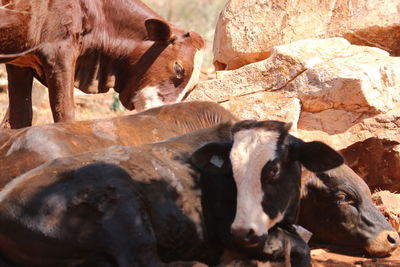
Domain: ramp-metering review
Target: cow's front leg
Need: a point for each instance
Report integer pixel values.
(20, 96)
(59, 66)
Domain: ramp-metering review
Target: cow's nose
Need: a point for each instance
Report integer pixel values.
(384, 243)
(246, 237)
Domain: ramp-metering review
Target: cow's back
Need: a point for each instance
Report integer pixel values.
(27, 148)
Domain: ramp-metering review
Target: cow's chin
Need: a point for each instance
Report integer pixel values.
(145, 98)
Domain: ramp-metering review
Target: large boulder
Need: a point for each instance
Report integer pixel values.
(248, 29)
(345, 95)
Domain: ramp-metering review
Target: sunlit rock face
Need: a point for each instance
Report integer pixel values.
(248, 29)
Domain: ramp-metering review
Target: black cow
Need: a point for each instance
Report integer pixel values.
(336, 207)
(58, 217)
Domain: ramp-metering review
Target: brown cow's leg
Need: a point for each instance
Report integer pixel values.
(20, 96)
(59, 65)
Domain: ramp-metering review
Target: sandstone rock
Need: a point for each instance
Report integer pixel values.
(377, 161)
(266, 106)
(389, 204)
(3, 79)
(248, 29)
(342, 129)
(338, 85)
(345, 95)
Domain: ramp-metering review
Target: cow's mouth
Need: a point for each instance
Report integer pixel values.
(251, 245)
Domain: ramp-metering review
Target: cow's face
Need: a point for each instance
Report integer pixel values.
(163, 68)
(336, 206)
(266, 170)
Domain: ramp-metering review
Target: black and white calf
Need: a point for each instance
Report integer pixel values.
(65, 215)
(262, 169)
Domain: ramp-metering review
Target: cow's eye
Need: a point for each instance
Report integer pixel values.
(270, 171)
(179, 71)
(274, 171)
(343, 198)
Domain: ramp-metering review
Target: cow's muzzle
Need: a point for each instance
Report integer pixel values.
(246, 237)
(385, 242)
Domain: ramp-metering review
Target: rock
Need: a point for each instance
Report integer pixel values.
(345, 95)
(265, 106)
(3, 79)
(377, 161)
(389, 204)
(342, 129)
(247, 29)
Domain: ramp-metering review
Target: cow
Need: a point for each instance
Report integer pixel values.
(24, 149)
(336, 206)
(160, 217)
(94, 45)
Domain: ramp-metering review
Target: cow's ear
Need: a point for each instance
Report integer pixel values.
(158, 30)
(315, 156)
(213, 158)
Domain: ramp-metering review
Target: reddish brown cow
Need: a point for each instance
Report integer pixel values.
(27, 148)
(98, 44)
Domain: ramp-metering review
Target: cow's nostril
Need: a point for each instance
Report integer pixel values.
(250, 234)
(391, 239)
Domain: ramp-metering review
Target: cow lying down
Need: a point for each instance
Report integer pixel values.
(64, 214)
(24, 149)
(353, 219)
(336, 206)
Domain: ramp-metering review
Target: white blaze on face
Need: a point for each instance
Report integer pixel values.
(148, 97)
(251, 150)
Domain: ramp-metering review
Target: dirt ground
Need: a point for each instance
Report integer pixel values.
(323, 257)
(102, 105)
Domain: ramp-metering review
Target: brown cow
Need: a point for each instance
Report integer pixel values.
(27, 148)
(98, 44)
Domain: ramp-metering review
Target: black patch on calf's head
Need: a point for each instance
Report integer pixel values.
(315, 156)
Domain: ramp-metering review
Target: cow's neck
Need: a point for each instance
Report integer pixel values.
(117, 26)
(115, 29)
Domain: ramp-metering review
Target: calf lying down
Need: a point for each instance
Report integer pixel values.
(356, 222)
(155, 207)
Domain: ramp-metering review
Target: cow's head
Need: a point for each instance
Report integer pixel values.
(163, 68)
(266, 170)
(336, 207)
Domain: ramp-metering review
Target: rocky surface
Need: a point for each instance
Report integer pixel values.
(248, 29)
(389, 204)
